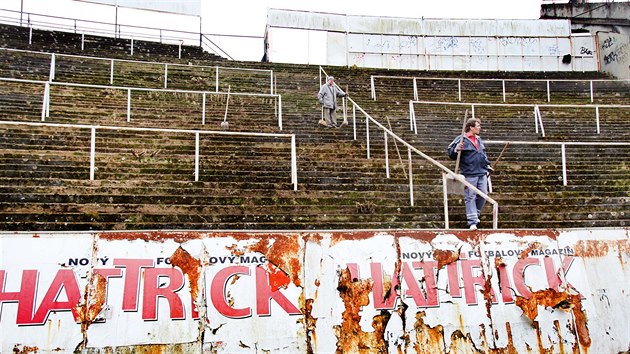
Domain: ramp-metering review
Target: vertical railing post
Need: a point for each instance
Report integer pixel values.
(82, 41)
(45, 100)
(92, 152)
(445, 198)
(344, 109)
(503, 85)
(367, 135)
(128, 105)
(294, 163)
(354, 120)
(271, 82)
(415, 89)
(111, 72)
(216, 78)
(203, 109)
(410, 177)
(386, 156)
(597, 117)
(197, 157)
(165, 75)
(536, 119)
(495, 216)
(564, 165)
(51, 76)
(459, 89)
(131, 49)
(280, 112)
(472, 110)
(412, 118)
(591, 91)
(548, 92)
(372, 88)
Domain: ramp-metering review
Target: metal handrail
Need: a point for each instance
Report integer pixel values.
(445, 170)
(47, 84)
(538, 122)
(93, 129)
(562, 146)
(503, 81)
(166, 65)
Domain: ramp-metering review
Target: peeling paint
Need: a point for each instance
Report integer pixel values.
(350, 337)
(190, 266)
(445, 257)
(429, 340)
(550, 298)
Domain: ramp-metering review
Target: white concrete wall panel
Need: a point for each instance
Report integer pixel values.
(425, 44)
(615, 54)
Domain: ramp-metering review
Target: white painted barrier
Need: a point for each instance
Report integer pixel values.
(536, 291)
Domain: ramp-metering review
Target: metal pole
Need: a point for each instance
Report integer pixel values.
(216, 79)
(111, 72)
(271, 83)
(459, 89)
(45, 100)
(597, 117)
(415, 89)
(294, 163)
(548, 92)
(92, 152)
(410, 177)
(372, 89)
(445, 197)
(564, 165)
(591, 91)
(280, 112)
(197, 157)
(128, 105)
(503, 84)
(354, 120)
(165, 75)
(51, 76)
(203, 109)
(367, 135)
(386, 156)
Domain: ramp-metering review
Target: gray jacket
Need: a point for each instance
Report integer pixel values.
(328, 94)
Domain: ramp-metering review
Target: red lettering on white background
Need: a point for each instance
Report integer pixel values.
(504, 284)
(453, 280)
(132, 280)
(518, 274)
(64, 280)
(264, 294)
(552, 272)
(218, 289)
(25, 297)
(152, 292)
(414, 291)
(381, 300)
(470, 281)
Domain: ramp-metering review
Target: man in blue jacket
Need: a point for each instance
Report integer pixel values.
(474, 165)
(327, 97)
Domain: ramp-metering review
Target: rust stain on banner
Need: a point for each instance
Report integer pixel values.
(592, 248)
(19, 349)
(429, 340)
(283, 254)
(93, 301)
(190, 266)
(310, 323)
(350, 337)
(532, 246)
(557, 300)
(445, 257)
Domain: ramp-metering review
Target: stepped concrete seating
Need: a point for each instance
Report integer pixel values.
(75, 43)
(47, 188)
(530, 88)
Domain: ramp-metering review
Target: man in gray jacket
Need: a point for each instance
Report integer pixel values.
(327, 97)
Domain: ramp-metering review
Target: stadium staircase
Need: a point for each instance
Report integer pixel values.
(145, 179)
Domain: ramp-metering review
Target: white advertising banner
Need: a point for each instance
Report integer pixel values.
(535, 291)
